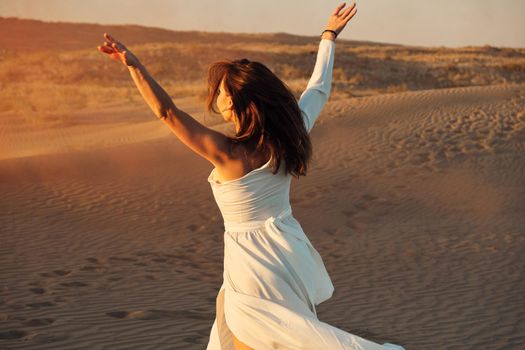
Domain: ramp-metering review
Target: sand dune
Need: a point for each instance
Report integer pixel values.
(51, 71)
(107, 126)
(111, 238)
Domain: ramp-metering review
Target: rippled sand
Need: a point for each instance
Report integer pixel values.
(111, 238)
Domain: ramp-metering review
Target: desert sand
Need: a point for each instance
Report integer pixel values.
(414, 200)
(111, 238)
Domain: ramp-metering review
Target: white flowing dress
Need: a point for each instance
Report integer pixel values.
(273, 277)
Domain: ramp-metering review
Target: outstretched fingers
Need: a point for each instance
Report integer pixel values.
(113, 43)
(109, 37)
(106, 49)
(341, 16)
(348, 14)
(348, 10)
(338, 8)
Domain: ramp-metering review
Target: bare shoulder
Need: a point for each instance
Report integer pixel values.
(239, 163)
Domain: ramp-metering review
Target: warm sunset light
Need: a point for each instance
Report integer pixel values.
(300, 175)
(409, 22)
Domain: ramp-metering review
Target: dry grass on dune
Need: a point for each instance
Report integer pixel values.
(61, 78)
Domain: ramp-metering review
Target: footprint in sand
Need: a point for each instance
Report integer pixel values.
(143, 253)
(209, 218)
(117, 314)
(330, 231)
(46, 338)
(92, 268)
(194, 340)
(55, 273)
(192, 227)
(367, 204)
(349, 213)
(62, 272)
(38, 290)
(369, 197)
(158, 314)
(45, 274)
(152, 277)
(114, 279)
(14, 334)
(40, 305)
(74, 284)
(355, 225)
(123, 259)
(38, 322)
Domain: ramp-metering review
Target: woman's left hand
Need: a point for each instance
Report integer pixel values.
(340, 17)
(117, 51)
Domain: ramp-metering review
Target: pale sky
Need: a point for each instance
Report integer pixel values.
(450, 23)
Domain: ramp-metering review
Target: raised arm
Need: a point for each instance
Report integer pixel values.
(317, 91)
(206, 142)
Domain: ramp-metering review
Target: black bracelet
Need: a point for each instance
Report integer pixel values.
(331, 31)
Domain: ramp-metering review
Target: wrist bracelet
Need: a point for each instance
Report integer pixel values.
(331, 31)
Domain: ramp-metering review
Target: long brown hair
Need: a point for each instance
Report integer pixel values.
(267, 112)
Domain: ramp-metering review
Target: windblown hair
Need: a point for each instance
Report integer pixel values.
(267, 112)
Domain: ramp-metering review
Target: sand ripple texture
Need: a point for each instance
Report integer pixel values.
(415, 201)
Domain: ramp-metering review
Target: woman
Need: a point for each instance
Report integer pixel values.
(273, 276)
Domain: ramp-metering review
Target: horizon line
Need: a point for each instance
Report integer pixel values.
(254, 33)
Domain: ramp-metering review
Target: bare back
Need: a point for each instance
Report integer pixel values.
(240, 164)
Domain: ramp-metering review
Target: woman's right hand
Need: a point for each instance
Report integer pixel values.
(340, 17)
(117, 51)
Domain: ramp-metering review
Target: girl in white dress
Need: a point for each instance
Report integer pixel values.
(273, 276)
